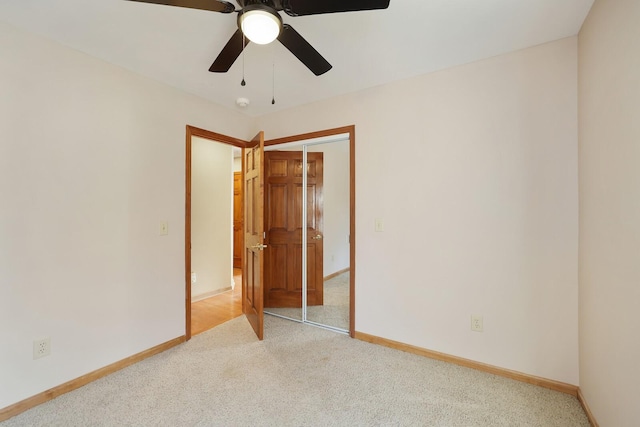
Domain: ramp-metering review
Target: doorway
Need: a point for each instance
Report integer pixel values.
(213, 287)
(345, 277)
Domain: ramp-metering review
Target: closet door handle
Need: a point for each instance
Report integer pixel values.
(317, 237)
(259, 246)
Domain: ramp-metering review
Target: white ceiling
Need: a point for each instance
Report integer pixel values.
(177, 45)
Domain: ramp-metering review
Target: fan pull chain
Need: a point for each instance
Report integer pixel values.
(273, 83)
(243, 83)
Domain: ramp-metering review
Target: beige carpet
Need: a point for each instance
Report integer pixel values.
(300, 376)
(335, 310)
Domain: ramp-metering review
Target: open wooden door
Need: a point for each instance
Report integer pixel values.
(253, 262)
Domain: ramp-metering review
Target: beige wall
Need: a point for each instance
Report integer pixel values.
(211, 217)
(472, 169)
(609, 104)
(474, 172)
(92, 159)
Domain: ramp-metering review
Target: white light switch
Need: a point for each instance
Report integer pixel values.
(379, 225)
(164, 228)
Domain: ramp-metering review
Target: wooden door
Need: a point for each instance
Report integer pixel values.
(238, 229)
(283, 224)
(252, 291)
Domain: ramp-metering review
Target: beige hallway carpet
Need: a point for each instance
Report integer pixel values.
(300, 376)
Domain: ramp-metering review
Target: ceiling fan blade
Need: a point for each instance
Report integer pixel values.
(315, 7)
(229, 53)
(212, 5)
(303, 50)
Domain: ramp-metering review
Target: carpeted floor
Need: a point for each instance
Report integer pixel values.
(335, 310)
(300, 376)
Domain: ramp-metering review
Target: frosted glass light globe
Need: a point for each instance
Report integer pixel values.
(260, 26)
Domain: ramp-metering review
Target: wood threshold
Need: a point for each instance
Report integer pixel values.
(507, 373)
(45, 396)
(587, 410)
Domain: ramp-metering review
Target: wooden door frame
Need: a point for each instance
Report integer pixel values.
(214, 137)
(351, 131)
(225, 139)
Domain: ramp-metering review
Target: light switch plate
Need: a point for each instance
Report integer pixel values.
(164, 228)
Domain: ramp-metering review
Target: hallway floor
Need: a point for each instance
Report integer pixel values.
(218, 309)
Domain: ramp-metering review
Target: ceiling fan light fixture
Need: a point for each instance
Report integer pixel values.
(261, 24)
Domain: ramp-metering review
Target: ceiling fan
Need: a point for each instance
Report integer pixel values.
(259, 21)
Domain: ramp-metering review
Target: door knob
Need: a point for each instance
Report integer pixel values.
(259, 246)
(317, 237)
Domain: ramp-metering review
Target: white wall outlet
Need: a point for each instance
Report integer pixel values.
(476, 323)
(164, 228)
(379, 225)
(193, 277)
(41, 348)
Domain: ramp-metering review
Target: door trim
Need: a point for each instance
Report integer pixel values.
(215, 137)
(351, 131)
(236, 142)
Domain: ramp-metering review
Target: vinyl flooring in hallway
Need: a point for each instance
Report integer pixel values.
(218, 309)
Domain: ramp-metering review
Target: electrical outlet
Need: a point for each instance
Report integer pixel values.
(378, 225)
(476, 323)
(41, 348)
(194, 278)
